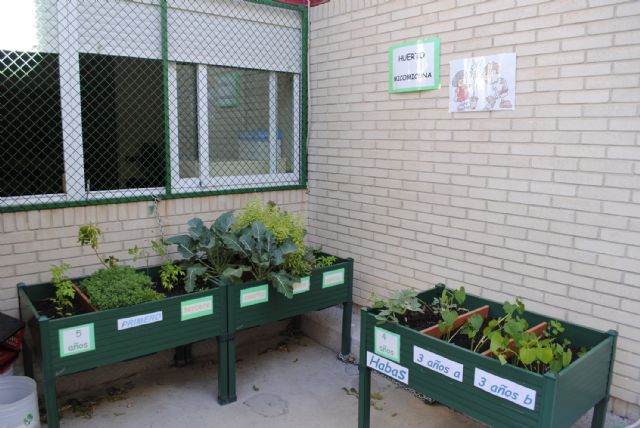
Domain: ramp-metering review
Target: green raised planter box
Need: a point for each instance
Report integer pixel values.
(82, 342)
(479, 386)
(257, 303)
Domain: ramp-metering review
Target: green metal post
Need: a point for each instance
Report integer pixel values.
(600, 409)
(364, 397)
(347, 307)
(164, 37)
(223, 369)
(232, 369)
(49, 377)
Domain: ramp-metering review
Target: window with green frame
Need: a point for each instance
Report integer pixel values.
(109, 102)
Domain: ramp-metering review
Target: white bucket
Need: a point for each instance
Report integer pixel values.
(18, 402)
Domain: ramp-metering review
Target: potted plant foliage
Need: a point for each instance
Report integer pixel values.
(268, 272)
(115, 314)
(510, 367)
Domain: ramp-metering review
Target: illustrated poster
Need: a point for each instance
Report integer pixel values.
(483, 83)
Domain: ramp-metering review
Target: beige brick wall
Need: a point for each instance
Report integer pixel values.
(31, 241)
(542, 202)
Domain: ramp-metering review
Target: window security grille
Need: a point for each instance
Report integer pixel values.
(110, 99)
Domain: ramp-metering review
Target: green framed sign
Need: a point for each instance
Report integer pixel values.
(414, 66)
(76, 340)
(254, 295)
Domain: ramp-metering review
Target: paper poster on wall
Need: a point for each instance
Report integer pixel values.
(414, 66)
(483, 83)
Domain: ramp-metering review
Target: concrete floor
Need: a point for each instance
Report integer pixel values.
(300, 384)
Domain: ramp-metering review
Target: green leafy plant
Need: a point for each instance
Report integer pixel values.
(472, 327)
(205, 249)
(65, 293)
(395, 309)
(324, 261)
(262, 256)
(119, 286)
(494, 332)
(448, 306)
(284, 226)
(89, 234)
(170, 273)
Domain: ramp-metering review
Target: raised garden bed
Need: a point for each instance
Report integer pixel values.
(256, 303)
(481, 387)
(81, 342)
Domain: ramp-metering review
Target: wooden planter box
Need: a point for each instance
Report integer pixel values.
(257, 303)
(82, 342)
(479, 386)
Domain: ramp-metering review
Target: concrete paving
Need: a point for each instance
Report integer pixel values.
(296, 384)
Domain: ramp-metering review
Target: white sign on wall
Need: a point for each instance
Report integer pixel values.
(483, 83)
(414, 66)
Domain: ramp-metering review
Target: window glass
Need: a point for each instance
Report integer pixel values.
(238, 113)
(289, 135)
(187, 121)
(31, 151)
(122, 122)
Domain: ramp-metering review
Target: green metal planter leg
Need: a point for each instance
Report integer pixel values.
(27, 358)
(49, 378)
(346, 328)
(600, 409)
(364, 397)
(599, 414)
(223, 370)
(232, 369)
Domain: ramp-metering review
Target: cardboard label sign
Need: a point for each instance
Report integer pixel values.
(196, 308)
(254, 295)
(138, 320)
(389, 368)
(76, 340)
(438, 363)
(387, 344)
(302, 286)
(333, 278)
(503, 388)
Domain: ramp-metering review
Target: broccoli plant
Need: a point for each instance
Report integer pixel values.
(204, 249)
(395, 309)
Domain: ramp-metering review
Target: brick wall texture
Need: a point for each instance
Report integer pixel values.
(542, 202)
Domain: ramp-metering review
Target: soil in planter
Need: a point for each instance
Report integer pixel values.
(421, 320)
(48, 308)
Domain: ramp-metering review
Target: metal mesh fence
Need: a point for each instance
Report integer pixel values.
(110, 99)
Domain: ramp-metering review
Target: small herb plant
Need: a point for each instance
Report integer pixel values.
(284, 226)
(119, 286)
(170, 273)
(325, 261)
(89, 234)
(395, 309)
(65, 293)
(448, 306)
